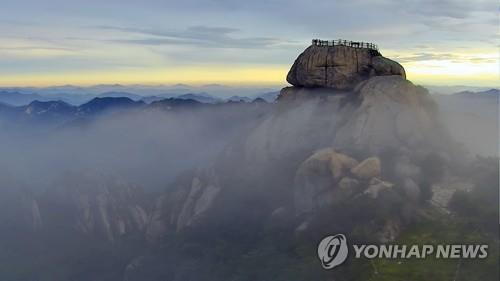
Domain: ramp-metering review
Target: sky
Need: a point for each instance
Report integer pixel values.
(85, 42)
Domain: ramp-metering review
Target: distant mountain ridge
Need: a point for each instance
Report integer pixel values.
(49, 107)
(98, 105)
(17, 99)
(131, 96)
(239, 99)
(449, 90)
(77, 95)
(59, 112)
(201, 97)
(489, 94)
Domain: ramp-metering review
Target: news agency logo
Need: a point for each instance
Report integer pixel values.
(333, 251)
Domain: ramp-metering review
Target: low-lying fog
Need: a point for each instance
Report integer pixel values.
(149, 147)
(145, 147)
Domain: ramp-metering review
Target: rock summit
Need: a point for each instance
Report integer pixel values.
(340, 65)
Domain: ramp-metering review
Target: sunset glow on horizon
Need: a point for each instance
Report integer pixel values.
(426, 73)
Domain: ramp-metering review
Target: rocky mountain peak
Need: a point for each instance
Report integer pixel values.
(340, 65)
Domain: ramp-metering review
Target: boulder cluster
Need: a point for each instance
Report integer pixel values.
(328, 177)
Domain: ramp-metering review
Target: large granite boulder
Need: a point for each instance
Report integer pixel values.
(323, 179)
(367, 169)
(340, 67)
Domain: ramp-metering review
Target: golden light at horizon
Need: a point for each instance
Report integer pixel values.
(438, 72)
(193, 75)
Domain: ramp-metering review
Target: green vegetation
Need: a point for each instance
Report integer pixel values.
(473, 220)
(441, 231)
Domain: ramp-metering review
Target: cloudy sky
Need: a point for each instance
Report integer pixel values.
(53, 42)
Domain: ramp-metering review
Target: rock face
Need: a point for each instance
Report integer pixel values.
(385, 111)
(328, 177)
(377, 186)
(370, 113)
(22, 206)
(183, 206)
(340, 67)
(367, 169)
(317, 175)
(96, 205)
(198, 201)
(392, 112)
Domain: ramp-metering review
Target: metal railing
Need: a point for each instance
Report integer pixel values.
(339, 42)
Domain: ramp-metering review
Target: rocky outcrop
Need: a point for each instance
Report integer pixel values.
(201, 197)
(19, 208)
(316, 177)
(36, 217)
(340, 163)
(367, 169)
(328, 177)
(348, 184)
(383, 118)
(383, 112)
(340, 67)
(301, 123)
(377, 186)
(97, 205)
(104, 214)
(186, 204)
(392, 113)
